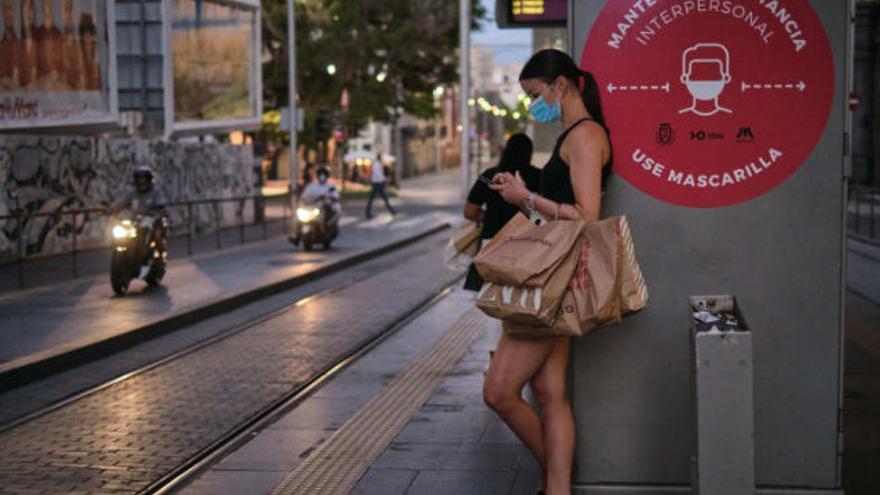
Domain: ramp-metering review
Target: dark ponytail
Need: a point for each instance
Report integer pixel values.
(547, 65)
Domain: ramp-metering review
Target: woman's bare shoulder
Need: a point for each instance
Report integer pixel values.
(588, 135)
(589, 132)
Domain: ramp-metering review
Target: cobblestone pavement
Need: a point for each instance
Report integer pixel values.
(126, 436)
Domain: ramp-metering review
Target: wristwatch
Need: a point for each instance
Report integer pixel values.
(530, 202)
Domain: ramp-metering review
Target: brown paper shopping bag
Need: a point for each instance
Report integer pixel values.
(529, 305)
(592, 298)
(465, 238)
(633, 288)
(462, 246)
(525, 254)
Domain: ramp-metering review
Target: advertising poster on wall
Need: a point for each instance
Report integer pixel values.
(55, 63)
(214, 62)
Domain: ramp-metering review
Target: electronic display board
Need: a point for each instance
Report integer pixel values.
(531, 13)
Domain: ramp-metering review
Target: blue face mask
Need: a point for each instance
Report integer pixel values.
(544, 112)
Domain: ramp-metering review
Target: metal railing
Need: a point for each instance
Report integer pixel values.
(863, 213)
(186, 213)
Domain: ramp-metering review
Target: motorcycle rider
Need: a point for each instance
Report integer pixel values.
(323, 191)
(148, 202)
(144, 198)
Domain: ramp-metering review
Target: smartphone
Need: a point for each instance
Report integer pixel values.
(484, 180)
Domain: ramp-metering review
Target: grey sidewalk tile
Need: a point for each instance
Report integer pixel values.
(280, 451)
(527, 462)
(462, 483)
(526, 483)
(384, 482)
(444, 427)
(319, 413)
(236, 483)
(404, 456)
(509, 448)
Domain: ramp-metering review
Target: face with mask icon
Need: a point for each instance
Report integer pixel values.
(705, 73)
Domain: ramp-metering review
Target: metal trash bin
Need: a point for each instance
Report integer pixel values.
(721, 365)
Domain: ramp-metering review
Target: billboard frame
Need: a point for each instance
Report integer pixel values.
(185, 128)
(107, 121)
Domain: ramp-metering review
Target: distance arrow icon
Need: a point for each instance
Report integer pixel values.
(638, 87)
(800, 86)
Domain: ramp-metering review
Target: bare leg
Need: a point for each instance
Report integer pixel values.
(549, 388)
(514, 363)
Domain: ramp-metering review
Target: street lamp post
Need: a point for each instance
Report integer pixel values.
(439, 97)
(464, 70)
(291, 82)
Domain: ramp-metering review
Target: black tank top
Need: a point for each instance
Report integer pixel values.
(556, 177)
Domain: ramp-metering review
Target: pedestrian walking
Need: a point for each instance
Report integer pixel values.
(516, 158)
(378, 180)
(571, 188)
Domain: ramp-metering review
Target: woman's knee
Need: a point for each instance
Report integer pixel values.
(498, 397)
(549, 396)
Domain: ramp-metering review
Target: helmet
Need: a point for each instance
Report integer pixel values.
(143, 178)
(323, 173)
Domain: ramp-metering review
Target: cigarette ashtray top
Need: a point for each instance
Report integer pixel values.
(716, 314)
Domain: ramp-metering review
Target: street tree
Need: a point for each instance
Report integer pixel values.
(387, 55)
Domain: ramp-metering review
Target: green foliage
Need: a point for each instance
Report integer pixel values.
(414, 43)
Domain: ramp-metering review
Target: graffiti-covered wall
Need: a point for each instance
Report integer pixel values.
(55, 174)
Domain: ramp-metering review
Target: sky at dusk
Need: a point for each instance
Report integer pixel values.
(510, 45)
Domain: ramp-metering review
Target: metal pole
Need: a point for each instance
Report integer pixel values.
(263, 217)
(857, 195)
(291, 82)
(19, 227)
(873, 200)
(189, 229)
(464, 7)
(73, 254)
(438, 156)
(217, 222)
(286, 212)
(241, 221)
(481, 125)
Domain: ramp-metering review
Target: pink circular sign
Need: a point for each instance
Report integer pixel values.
(711, 102)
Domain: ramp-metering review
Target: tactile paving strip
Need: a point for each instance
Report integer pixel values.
(336, 466)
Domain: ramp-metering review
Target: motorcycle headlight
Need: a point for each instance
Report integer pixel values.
(124, 230)
(307, 214)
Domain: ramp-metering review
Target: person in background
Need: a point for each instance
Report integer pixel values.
(378, 180)
(321, 190)
(144, 198)
(516, 158)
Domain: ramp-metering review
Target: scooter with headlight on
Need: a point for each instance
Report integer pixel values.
(316, 223)
(138, 251)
